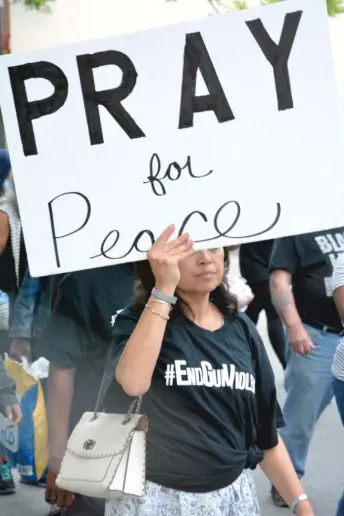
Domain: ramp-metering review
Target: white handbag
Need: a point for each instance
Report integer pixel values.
(106, 454)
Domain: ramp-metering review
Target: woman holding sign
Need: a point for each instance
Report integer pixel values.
(208, 390)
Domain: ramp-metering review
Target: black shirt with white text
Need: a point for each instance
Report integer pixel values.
(212, 400)
(309, 259)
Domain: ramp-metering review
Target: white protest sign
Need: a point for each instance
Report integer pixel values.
(228, 127)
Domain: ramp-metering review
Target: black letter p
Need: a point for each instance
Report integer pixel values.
(28, 111)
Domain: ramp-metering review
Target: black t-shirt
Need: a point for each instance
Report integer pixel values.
(254, 260)
(212, 400)
(310, 258)
(79, 331)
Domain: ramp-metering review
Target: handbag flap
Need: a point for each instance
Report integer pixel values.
(104, 436)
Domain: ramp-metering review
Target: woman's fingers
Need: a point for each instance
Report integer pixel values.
(64, 499)
(186, 254)
(165, 235)
(182, 247)
(18, 415)
(9, 415)
(178, 246)
(177, 242)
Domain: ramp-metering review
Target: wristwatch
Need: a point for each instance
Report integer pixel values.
(301, 498)
(170, 300)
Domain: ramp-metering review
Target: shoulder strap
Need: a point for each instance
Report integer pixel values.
(108, 376)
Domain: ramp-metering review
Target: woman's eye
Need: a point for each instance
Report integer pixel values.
(216, 250)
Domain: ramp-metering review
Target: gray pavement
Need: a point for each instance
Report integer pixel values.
(324, 480)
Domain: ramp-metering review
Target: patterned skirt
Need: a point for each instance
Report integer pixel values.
(238, 499)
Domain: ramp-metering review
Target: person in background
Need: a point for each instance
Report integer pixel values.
(10, 266)
(338, 362)
(305, 263)
(10, 408)
(254, 261)
(4, 323)
(29, 316)
(76, 342)
(13, 259)
(5, 167)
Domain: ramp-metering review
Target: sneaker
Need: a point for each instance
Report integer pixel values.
(7, 485)
(277, 498)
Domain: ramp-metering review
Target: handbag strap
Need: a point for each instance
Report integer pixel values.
(135, 405)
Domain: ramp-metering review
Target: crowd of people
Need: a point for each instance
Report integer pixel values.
(154, 323)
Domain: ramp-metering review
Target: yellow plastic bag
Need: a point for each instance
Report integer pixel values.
(32, 456)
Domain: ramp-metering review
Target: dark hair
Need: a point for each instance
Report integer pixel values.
(221, 297)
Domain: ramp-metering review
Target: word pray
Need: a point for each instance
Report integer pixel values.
(196, 59)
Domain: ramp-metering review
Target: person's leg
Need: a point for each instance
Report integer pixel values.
(340, 509)
(338, 389)
(256, 306)
(86, 506)
(7, 485)
(308, 384)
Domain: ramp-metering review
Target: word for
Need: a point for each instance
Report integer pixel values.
(173, 173)
(206, 376)
(221, 225)
(196, 59)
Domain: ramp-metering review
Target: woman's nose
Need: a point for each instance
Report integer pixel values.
(204, 256)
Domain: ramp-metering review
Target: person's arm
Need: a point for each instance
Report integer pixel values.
(276, 463)
(338, 286)
(59, 406)
(4, 231)
(137, 361)
(279, 469)
(62, 346)
(23, 315)
(24, 307)
(283, 264)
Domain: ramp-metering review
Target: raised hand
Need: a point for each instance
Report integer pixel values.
(164, 257)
